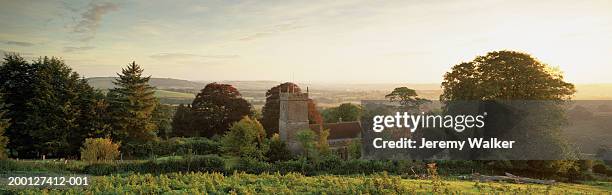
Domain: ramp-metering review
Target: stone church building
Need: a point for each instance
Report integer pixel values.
(293, 117)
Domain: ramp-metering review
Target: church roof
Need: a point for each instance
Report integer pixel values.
(341, 130)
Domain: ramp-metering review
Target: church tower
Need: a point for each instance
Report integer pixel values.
(293, 117)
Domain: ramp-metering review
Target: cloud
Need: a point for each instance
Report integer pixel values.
(183, 56)
(272, 30)
(18, 43)
(77, 49)
(91, 18)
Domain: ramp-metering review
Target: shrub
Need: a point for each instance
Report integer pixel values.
(330, 164)
(253, 166)
(246, 138)
(278, 150)
(354, 150)
(307, 139)
(599, 168)
(323, 144)
(99, 149)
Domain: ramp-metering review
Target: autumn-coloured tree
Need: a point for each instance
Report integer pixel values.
(271, 109)
(216, 107)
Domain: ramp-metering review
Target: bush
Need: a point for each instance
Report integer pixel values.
(99, 149)
(253, 166)
(278, 150)
(600, 168)
(245, 139)
(308, 140)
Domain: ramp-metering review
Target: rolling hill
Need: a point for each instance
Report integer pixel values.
(160, 83)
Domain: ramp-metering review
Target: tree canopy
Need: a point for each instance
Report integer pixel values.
(499, 76)
(50, 106)
(505, 75)
(407, 97)
(216, 108)
(344, 112)
(182, 122)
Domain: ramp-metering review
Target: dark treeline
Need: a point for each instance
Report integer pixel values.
(51, 109)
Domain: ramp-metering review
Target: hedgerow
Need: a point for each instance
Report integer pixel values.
(172, 147)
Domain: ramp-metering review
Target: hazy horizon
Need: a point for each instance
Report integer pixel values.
(347, 42)
(317, 82)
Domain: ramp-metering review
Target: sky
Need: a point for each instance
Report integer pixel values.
(360, 41)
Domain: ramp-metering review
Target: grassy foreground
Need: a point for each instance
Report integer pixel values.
(241, 183)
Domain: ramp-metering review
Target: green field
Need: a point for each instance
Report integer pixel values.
(172, 97)
(241, 183)
(172, 94)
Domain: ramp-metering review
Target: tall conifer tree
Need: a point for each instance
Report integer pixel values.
(132, 104)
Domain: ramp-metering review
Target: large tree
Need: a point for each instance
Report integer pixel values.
(407, 97)
(494, 79)
(162, 117)
(182, 122)
(505, 75)
(49, 106)
(132, 104)
(216, 107)
(59, 101)
(271, 109)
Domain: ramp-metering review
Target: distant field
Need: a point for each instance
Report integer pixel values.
(172, 97)
(172, 94)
